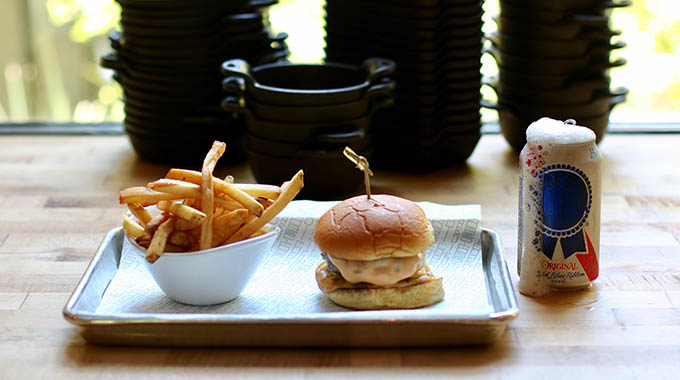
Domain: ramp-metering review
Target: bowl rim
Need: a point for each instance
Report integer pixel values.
(272, 233)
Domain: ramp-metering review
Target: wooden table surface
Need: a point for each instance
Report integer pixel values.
(59, 196)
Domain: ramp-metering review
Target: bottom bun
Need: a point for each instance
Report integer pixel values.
(406, 297)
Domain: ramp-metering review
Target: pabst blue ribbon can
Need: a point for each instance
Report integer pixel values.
(559, 208)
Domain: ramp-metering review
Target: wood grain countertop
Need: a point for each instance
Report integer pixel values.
(59, 196)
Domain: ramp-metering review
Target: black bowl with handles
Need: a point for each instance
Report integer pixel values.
(376, 97)
(173, 51)
(412, 65)
(513, 127)
(178, 96)
(328, 174)
(430, 77)
(183, 149)
(336, 17)
(358, 140)
(379, 9)
(464, 47)
(189, 73)
(184, 6)
(543, 48)
(599, 105)
(578, 93)
(195, 16)
(442, 151)
(425, 132)
(551, 81)
(161, 77)
(160, 118)
(576, 28)
(251, 45)
(296, 132)
(372, 32)
(567, 5)
(441, 99)
(595, 60)
(160, 89)
(428, 122)
(305, 84)
(516, 10)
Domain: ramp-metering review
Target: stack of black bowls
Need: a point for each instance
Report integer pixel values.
(167, 59)
(553, 59)
(302, 116)
(437, 47)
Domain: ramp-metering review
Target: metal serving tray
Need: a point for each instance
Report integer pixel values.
(340, 328)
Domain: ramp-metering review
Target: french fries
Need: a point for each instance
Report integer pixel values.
(132, 228)
(200, 211)
(207, 194)
(288, 191)
(252, 189)
(159, 240)
(143, 216)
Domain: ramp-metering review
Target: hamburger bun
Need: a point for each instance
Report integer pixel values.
(372, 241)
(366, 229)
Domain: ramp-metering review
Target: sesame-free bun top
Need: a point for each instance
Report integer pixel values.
(366, 229)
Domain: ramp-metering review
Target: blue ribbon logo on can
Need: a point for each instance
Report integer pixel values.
(567, 198)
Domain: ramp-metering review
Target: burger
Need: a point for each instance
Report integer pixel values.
(374, 254)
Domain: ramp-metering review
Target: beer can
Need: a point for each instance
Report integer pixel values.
(559, 208)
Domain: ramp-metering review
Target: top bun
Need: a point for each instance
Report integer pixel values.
(366, 229)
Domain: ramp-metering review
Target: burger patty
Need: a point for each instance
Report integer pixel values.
(331, 267)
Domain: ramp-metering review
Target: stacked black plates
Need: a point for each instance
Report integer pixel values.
(553, 59)
(437, 46)
(302, 116)
(167, 59)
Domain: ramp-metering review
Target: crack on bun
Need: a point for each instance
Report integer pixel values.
(369, 229)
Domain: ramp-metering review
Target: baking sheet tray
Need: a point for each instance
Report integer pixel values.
(282, 307)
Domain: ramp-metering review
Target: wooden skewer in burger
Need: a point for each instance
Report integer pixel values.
(373, 248)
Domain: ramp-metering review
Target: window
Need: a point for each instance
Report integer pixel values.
(50, 51)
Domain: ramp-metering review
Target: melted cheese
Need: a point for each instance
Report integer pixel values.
(329, 281)
(378, 272)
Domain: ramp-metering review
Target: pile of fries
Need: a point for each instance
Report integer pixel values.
(200, 211)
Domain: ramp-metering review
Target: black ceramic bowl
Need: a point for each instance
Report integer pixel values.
(567, 5)
(415, 121)
(411, 65)
(517, 10)
(183, 6)
(305, 85)
(359, 140)
(544, 48)
(394, 12)
(579, 93)
(425, 132)
(578, 28)
(185, 127)
(379, 98)
(296, 132)
(375, 32)
(337, 18)
(469, 46)
(172, 149)
(444, 151)
(328, 174)
(550, 81)
(174, 51)
(599, 105)
(596, 60)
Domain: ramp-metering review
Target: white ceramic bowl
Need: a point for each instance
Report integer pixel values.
(213, 275)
